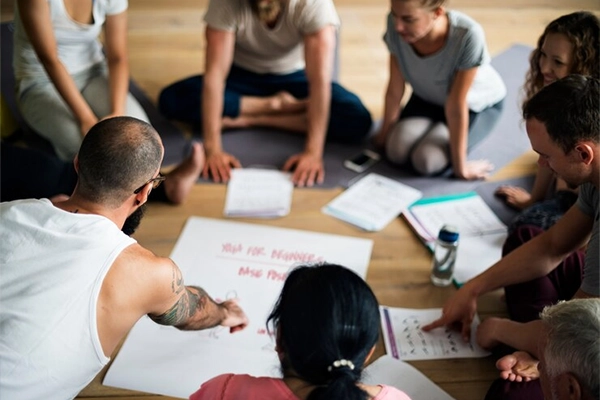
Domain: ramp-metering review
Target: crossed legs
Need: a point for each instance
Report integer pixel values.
(281, 110)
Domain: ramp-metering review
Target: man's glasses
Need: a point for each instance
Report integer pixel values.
(154, 181)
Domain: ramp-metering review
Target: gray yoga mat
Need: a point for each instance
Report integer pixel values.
(266, 147)
(505, 213)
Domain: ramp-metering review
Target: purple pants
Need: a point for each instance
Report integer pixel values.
(506, 390)
(526, 300)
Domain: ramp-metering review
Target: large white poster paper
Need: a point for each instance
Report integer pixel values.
(227, 259)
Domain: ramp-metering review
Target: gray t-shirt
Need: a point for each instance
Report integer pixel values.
(431, 76)
(279, 50)
(589, 203)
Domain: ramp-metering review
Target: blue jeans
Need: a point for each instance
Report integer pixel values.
(349, 120)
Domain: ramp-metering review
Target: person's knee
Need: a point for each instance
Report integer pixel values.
(135, 109)
(397, 149)
(350, 128)
(166, 101)
(429, 159)
(181, 100)
(66, 149)
(522, 234)
(403, 136)
(360, 124)
(349, 119)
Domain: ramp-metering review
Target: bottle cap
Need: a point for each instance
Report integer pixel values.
(448, 233)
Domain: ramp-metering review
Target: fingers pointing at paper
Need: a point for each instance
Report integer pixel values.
(460, 308)
(235, 318)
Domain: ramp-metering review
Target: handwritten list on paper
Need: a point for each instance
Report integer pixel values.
(248, 262)
(405, 340)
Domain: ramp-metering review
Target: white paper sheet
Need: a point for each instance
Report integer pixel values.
(228, 259)
(372, 202)
(259, 193)
(476, 254)
(405, 340)
(468, 212)
(387, 370)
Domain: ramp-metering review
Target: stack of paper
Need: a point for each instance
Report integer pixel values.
(258, 193)
(372, 202)
(482, 234)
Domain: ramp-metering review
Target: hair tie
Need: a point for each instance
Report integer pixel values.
(341, 363)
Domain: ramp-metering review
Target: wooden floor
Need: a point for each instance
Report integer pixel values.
(166, 43)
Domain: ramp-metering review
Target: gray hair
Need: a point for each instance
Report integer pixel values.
(574, 341)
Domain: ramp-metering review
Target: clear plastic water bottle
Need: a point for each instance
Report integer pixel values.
(444, 256)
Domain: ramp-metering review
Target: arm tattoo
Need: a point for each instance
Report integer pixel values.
(177, 281)
(190, 304)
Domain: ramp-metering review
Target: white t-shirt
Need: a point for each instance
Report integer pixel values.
(52, 266)
(279, 50)
(77, 43)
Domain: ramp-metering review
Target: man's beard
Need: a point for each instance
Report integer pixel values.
(133, 221)
(268, 10)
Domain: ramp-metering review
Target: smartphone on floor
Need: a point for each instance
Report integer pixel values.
(362, 161)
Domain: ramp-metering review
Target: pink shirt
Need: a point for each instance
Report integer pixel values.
(246, 387)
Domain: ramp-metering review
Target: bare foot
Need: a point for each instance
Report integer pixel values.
(179, 182)
(235, 123)
(284, 102)
(519, 366)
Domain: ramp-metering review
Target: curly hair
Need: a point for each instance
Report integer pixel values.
(582, 29)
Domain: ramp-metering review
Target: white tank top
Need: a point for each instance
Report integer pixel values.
(77, 44)
(52, 265)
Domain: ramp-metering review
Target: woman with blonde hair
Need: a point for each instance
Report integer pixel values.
(457, 95)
